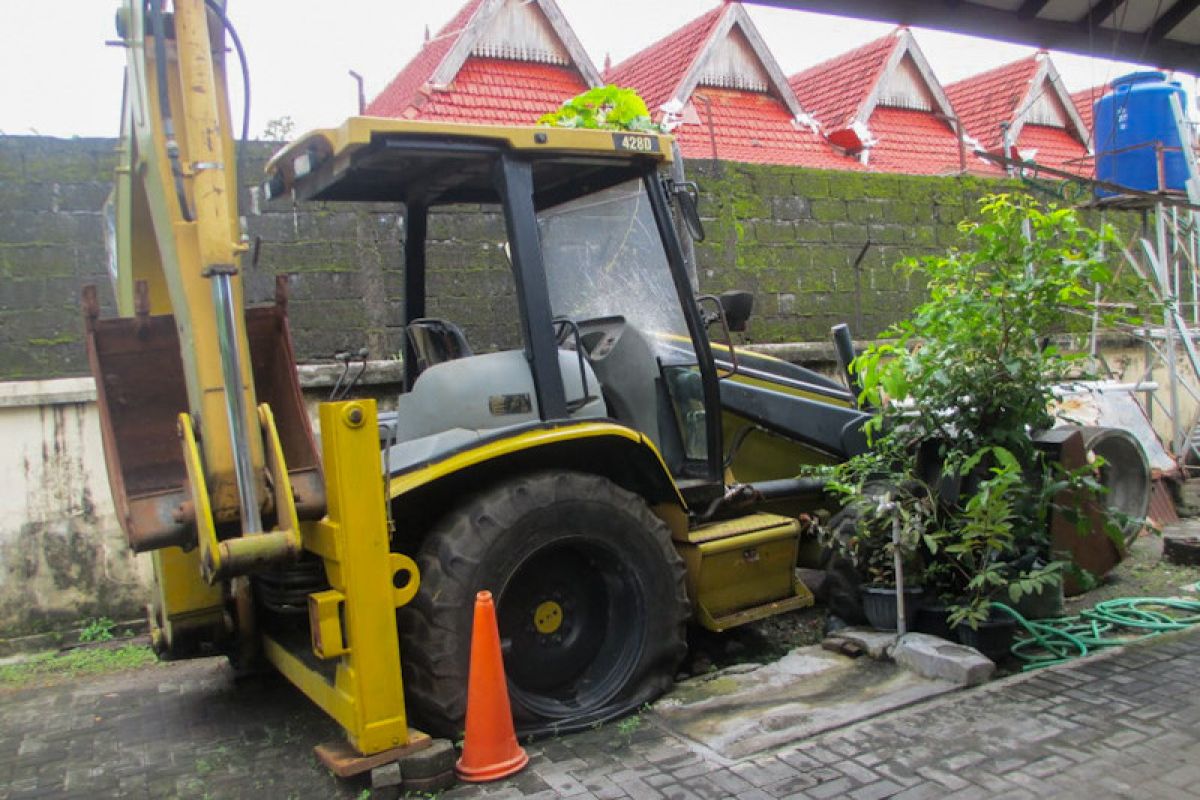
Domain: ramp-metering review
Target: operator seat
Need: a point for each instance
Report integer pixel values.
(435, 341)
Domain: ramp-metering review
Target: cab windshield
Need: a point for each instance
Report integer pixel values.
(604, 257)
(609, 276)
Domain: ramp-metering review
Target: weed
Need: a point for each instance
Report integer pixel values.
(84, 661)
(365, 794)
(627, 727)
(99, 629)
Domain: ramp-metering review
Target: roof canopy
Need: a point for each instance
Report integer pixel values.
(1164, 33)
(392, 160)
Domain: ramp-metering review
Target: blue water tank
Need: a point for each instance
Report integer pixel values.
(1131, 118)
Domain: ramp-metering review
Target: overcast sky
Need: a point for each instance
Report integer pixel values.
(61, 80)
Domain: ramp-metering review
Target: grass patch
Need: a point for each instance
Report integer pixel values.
(47, 667)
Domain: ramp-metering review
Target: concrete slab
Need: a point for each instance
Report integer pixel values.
(745, 710)
(935, 657)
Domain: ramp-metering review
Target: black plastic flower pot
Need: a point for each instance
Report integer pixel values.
(932, 619)
(879, 605)
(993, 637)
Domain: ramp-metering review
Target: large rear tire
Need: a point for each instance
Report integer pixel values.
(590, 602)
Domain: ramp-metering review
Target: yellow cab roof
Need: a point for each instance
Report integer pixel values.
(379, 159)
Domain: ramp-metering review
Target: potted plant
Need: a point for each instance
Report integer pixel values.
(958, 392)
(878, 534)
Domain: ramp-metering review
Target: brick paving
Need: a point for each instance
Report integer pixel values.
(1122, 725)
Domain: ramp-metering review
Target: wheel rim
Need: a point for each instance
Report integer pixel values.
(571, 620)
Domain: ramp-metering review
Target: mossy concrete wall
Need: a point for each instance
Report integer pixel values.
(344, 261)
(790, 235)
(796, 238)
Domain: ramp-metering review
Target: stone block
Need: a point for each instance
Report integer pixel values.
(933, 657)
(865, 210)
(20, 195)
(811, 231)
(385, 776)
(876, 644)
(829, 210)
(848, 185)
(750, 206)
(791, 207)
(811, 184)
(772, 180)
(774, 231)
(80, 197)
(847, 233)
(880, 186)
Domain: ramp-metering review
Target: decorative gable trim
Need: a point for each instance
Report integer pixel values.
(471, 36)
(1047, 75)
(777, 84)
(906, 45)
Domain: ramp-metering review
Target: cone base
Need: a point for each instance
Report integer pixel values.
(492, 772)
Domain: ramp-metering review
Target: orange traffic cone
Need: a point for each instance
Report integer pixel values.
(490, 749)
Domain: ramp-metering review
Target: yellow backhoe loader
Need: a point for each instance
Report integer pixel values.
(607, 479)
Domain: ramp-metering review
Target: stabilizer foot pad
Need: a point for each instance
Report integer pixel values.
(343, 760)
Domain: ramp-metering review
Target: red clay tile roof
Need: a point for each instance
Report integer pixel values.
(985, 100)
(749, 126)
(914, 142)
(657, 70)
(406, 86)
(1085, 102)
(834, 90)
(755, 128)
(1057, 148)
(495, 91)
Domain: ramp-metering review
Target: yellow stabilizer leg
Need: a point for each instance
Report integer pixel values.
(354, 621)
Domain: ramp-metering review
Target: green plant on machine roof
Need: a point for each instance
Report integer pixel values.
(604, 107)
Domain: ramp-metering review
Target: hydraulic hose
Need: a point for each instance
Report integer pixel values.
(217, 9)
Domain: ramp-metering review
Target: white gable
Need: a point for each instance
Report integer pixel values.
(905, 87)
(733, 64)
(520, 31)
(1047, 108)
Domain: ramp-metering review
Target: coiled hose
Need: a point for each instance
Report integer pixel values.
(1110, 623)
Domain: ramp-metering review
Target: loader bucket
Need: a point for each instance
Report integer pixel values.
(140, 391)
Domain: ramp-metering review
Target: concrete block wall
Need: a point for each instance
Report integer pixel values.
(793, 237)
(790, 235)
(51, 244)
(344, 261)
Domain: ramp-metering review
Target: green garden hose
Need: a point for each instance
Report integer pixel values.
(1109, 623)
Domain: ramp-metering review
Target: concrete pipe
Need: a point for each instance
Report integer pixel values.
(1126, 472)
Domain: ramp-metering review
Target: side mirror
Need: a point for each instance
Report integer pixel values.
(737, 305)
(687, 195)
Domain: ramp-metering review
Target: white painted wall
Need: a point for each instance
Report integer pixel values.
(62, 554)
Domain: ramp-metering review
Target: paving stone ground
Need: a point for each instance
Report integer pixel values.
(1123, 725)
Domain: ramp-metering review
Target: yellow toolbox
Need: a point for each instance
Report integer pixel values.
(743, 569)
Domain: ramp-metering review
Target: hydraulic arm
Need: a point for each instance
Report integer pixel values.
(210, 452)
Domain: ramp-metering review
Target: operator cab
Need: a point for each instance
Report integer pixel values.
(609, 327)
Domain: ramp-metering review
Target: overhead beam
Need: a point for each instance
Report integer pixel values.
(974, 19)
(1098, 13)
(1167, 22)
(1031, 8)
